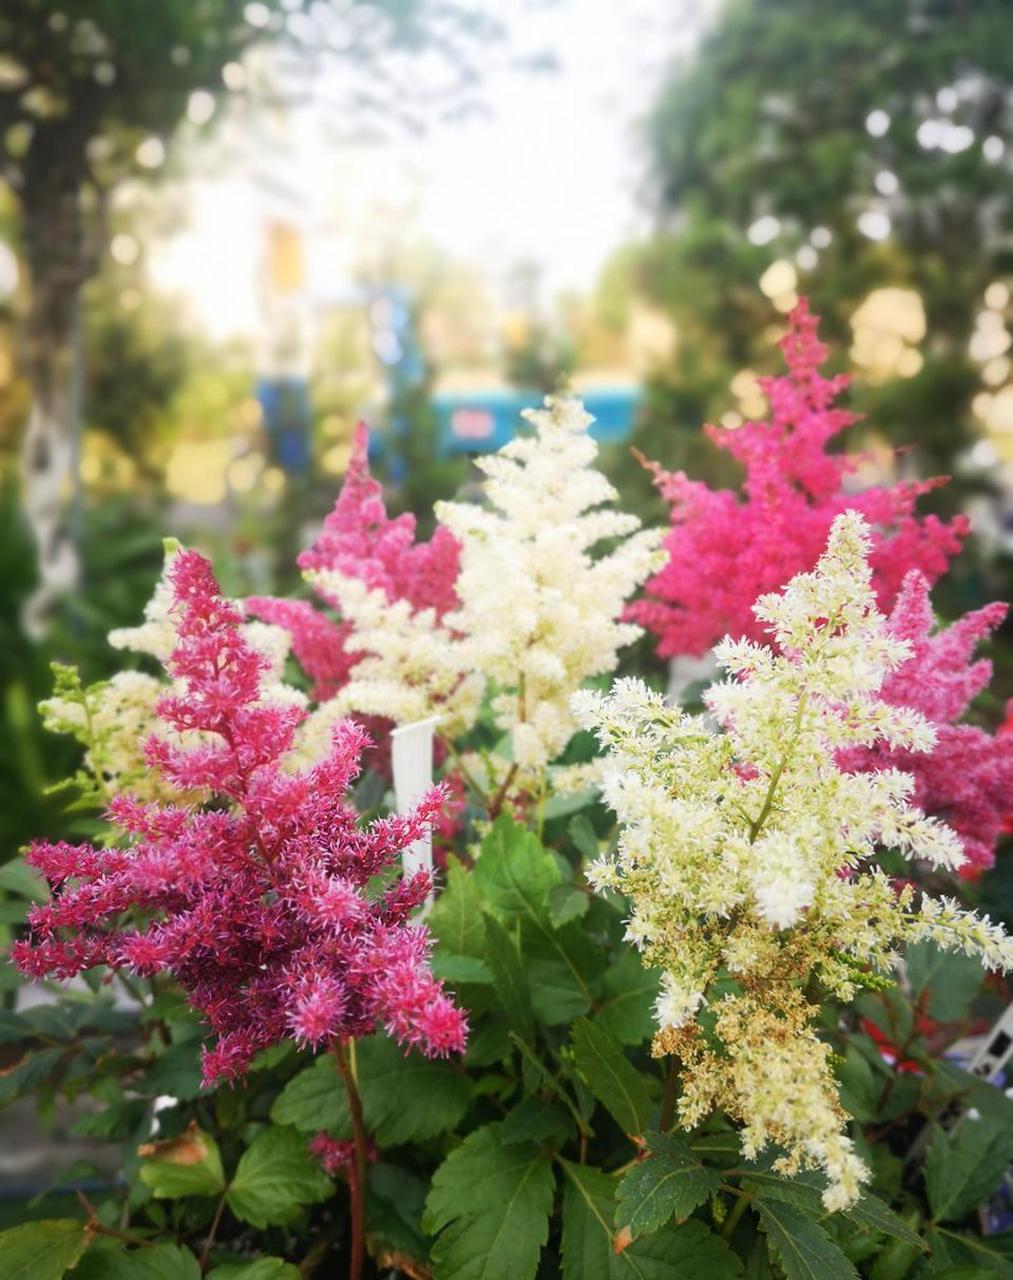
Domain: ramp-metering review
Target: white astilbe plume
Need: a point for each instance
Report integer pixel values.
(539, 611)
(746, 852)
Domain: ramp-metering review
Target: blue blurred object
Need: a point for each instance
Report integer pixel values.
(288, 419)
(484, 421)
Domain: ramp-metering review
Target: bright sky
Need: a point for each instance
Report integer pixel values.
(554, 172)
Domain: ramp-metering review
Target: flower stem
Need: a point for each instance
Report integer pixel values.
(357, 1174)
(668, 1098)
(206, 1251)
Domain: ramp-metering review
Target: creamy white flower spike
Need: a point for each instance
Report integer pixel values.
(748, 855)
(540, 607)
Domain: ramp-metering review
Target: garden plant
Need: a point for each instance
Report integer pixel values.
(686, 993)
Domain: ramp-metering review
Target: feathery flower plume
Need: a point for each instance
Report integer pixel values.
(256, 902)
(967, 777)
(725, 549)
(748, 855)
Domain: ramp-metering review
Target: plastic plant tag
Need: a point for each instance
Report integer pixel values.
(412, 761)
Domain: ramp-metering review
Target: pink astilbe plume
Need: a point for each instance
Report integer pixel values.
(257, 906)
(967, 778)
(359, 540)
(726, 549)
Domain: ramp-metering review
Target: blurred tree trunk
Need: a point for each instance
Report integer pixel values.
(61, 256)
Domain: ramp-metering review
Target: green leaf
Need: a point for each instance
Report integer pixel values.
(394, 1205)
(562, 964)
(671, 1180)
(458, 970)
(161, 1262)
(456, 918)
(176, 1072)
(276, 1177)
(189, 1165)
(804, 1192)
(261, 1269)
(581, 831)
(489, 1209)
(566, 904)
(686, 1252)
(804, 1250)
(617, 1085)
(407, 1097)
(41, 1250)
(514, 872)
(627, 1011)
(19, 878)
(952, 1082)
(509, 978)
(537, 1120)
(943, 983)
(28, 1074)
(315, 1099)
(951, 1250)
(964, 1167)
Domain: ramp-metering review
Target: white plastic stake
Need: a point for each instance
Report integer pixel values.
(412, 762)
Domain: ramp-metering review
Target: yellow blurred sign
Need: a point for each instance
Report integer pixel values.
(286, 258)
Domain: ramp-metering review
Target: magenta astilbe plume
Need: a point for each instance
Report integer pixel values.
(258, 907)
(967, 778)
(725, 548)
(360, 541)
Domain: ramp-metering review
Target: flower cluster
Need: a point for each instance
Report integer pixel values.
(748, 854)
(725, 550)
(431, 643)
(111, 717)
(255, 901)
(361, 553)
(967, 778)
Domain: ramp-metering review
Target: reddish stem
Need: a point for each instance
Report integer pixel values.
(357, 1174)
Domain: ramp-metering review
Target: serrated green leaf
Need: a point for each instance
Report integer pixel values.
(687, 1252)
(509, 978)
(537, 1120)
(407, 1097)
(943, 983)
(489, 1209)
(670, 1181)
(563, 966)
(566, 904)
(964, 1167)
(456, 917)
(613, 1080)
(804, 1250)
(276, 1178)
(261, 1269)
(41, 1250)
(394, 1205)
(630, 990)
(952, 1250)
(458, 970)
(514, 872)
(804, 1192)
(176, 1072)
(161, 1262)
(315, 1099)
(28, 1074)
(189, 1165)
(951, 1080)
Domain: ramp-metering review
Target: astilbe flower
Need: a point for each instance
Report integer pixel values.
(726, 549)
(256, 903)
(359, 541)
(748, 855)
(109, 718)
(967, 777)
